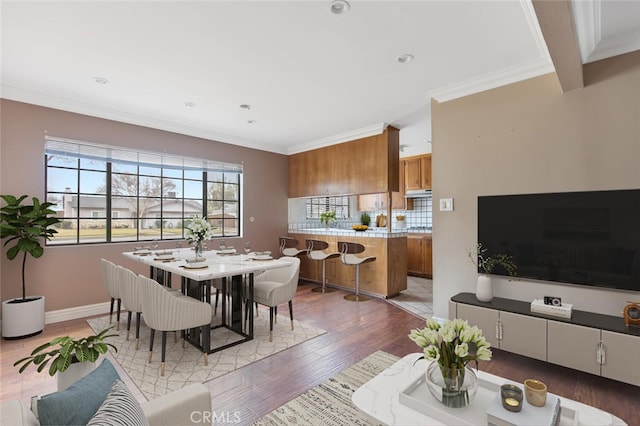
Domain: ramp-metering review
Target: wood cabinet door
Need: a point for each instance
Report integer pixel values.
(367, 202)
(428, 255)
(583, 344)
(621, 357)
(524, 335)
(415, 254)
(425, 172)
(412, 174)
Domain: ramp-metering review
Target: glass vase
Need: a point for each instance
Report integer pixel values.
(199, 248)
(454, 386)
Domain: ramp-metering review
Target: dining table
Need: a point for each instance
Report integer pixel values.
(236, 272)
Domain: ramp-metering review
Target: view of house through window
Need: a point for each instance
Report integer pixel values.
(318, 205)
(110, 194)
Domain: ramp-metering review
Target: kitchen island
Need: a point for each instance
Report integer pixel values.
(386, 277)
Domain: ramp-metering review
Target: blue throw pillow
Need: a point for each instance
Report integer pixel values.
(80, 401)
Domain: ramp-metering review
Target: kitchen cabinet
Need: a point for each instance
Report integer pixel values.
(417, 172)
(373, 202)
(362, 166)
(419, 255)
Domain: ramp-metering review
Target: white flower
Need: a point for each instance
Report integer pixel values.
(462, 350)
(431, 353)
(433, 324)
(199, 229)
(484, 354)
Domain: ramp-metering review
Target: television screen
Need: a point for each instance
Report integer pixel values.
(587, 238)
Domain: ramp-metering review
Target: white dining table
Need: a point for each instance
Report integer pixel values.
(231, 268)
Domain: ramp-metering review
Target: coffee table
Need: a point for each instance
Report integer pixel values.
(379, 400)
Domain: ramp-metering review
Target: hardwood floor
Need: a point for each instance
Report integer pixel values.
(355, 330)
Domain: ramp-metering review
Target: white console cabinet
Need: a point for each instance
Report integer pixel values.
(593, 343)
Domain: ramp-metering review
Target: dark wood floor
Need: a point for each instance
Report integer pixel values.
(355, 330)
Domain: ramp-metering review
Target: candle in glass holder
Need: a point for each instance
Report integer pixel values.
(511, 396)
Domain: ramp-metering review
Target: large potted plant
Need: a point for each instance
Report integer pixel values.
(71, 358)
(23, 226)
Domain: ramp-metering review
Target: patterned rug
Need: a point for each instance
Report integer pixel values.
(186, 366)
(330, 402)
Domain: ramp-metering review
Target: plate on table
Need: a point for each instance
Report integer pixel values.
(142, 252)
(262, 257)
(227, 251)
(195, 265)
(163, 257)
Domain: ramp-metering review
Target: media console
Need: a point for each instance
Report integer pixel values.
(595, 343)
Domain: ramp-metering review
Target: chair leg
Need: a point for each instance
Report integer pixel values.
(129, 314)
(291, 312)
(356, 297)
(215, 306)
(151, 336)
(111, 310)
(138, 315)
(164, 350)
(275, 311)
(271, 323)
(118, 315)
(206, 342)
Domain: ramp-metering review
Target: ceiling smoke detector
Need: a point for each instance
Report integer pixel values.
(407, 57)
(100, 80)
(338, 7)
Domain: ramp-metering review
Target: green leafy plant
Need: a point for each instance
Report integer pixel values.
(24, 225)
(68, 351)
(328, 217)
(486, 263)
(365, 219)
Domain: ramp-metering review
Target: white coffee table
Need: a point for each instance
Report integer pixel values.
(379, 400)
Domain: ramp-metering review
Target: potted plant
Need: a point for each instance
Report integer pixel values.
(71, 358)
(23, 226)
(486, 264)
(365, 219)
(328, 217)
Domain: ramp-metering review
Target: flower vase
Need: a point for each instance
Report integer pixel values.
(484, 289)
(199, 248)
(454, 386)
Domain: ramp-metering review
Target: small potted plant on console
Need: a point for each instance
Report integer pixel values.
(486, 265)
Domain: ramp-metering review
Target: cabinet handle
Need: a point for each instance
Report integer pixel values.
(499, 330)
(600, 354)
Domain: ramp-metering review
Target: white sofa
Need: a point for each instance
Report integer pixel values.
(184, 406)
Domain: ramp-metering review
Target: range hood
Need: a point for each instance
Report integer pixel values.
(416, 193)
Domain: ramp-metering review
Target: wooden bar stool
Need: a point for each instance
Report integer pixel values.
(315, 251)
(289, 247)
(348, 256)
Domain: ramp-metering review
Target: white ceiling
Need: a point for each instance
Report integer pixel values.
(311, 78)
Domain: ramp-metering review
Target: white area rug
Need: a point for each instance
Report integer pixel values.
(186, 366)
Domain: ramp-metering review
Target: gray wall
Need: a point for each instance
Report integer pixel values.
(70, 276)
(525, 138)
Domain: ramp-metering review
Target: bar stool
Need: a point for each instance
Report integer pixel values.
(315, 251)
(348, 256)
(289, 247)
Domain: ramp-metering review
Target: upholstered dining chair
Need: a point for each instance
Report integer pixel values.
(348, 252)
(164, 311)
(112, 285)
(289, 247)
(274, 287)
(131, 298)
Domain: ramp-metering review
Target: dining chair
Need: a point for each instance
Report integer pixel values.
(112, 285)
(164, 311)
(131, 298)
(289, 247)
(274, 287)
(316, 252)
(348, 251)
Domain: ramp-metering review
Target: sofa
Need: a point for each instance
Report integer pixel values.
(100, 398)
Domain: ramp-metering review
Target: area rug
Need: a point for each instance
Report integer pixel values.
(330, 402)
(184, 366)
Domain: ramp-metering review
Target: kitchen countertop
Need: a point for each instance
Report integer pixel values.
(369, 233)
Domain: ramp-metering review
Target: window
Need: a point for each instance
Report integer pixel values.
(317, 206)
(110, 194)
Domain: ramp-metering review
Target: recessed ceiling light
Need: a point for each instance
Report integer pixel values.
(245, 106)
(338, 7)
(407, 57)
(189, 104)
(251, 121)
(100, 80)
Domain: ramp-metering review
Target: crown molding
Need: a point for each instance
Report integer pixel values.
(364, 132)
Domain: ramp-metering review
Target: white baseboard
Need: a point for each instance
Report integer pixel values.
(76, 312)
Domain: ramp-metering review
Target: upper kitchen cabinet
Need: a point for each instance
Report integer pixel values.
(366, 165)
(373, 202)
(417, 172)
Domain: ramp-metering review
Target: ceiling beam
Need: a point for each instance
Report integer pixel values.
(556, 23)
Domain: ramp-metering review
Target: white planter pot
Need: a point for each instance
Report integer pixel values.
(22, 319)
(75, 372)
(484, 289)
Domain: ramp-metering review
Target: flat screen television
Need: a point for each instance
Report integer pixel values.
(584, 238)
